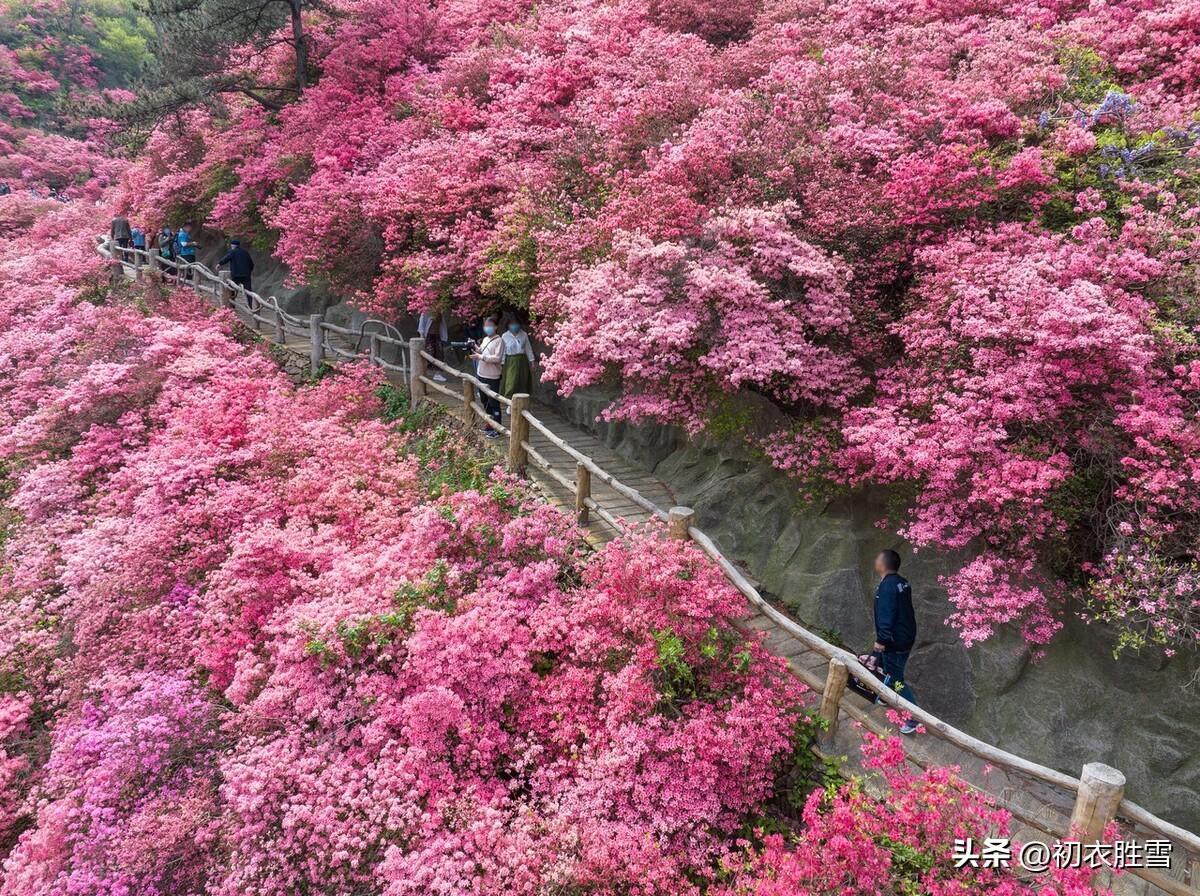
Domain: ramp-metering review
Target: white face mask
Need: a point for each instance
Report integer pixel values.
(489, 330)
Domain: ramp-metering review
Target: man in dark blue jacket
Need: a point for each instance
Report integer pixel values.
(895, 625)
(241, 265)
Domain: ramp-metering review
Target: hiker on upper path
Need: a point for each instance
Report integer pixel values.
(163, 246)
(185, 248)
(138, 238)
(121, 232)
(518, 361)
(895, 626)
(241, 267)
(490, 357)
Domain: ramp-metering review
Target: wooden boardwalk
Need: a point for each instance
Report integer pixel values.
(1043, 801)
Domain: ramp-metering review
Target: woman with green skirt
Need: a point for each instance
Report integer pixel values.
(518, 362)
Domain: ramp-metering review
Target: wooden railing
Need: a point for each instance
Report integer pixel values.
(375, 340)
(1096, 797)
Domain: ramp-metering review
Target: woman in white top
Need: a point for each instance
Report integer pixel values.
(518, 361)
(489, 355)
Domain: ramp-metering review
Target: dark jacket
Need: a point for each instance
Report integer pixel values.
(239, 261)
(120, 229)
(895, 621)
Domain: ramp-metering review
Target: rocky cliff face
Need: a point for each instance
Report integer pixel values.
(1077, 704)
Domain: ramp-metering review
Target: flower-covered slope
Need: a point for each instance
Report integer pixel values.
(245, 650)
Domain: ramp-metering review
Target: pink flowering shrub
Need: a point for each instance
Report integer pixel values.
(852, 843)
(720, 307)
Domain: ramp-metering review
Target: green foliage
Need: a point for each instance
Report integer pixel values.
(1089, 79)
(8, 517)
(729, 419)
(688, 674)
(193, 59)
(123, 38)
(450, 461)
(806, 769)
(909, 865)
(677, 680)
(355, 636)
(395, 401)
(76, 42)
(429, 593)
(509, 274)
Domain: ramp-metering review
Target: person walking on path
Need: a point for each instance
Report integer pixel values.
(185, 248)
(241, 267)
(121, 232)
(138, 238)
(489, 355)
(895, 627)
(518, 361)
(164, 247)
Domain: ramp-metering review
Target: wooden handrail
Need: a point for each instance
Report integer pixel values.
(463, 375)
(586, 467)
(598, 472)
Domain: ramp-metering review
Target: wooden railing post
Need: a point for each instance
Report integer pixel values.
(468, 398)
(416, 369)
(280, 332)
(583, 491)
(831, 696)
(1101, 788)
(253, 312)
(518, 433)
(227, 295)
(679, 521)
(373, 350)
(316, 343)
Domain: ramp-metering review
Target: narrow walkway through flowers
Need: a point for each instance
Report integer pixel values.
(1039, 811)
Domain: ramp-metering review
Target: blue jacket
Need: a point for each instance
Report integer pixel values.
(185, 246)
(895, 621)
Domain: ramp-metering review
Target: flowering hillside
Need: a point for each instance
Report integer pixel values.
(58, 59)
(244, 650)
(954, 240)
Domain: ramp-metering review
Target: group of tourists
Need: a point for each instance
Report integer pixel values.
(504, 362)
(52, 193)
(177, 250)
(499, 347)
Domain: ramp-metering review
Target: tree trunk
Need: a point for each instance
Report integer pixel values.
(300, 46)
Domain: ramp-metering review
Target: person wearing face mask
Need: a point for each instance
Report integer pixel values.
(489, 358)
(518, 361)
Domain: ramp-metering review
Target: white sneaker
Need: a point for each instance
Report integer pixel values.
(439, 378)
